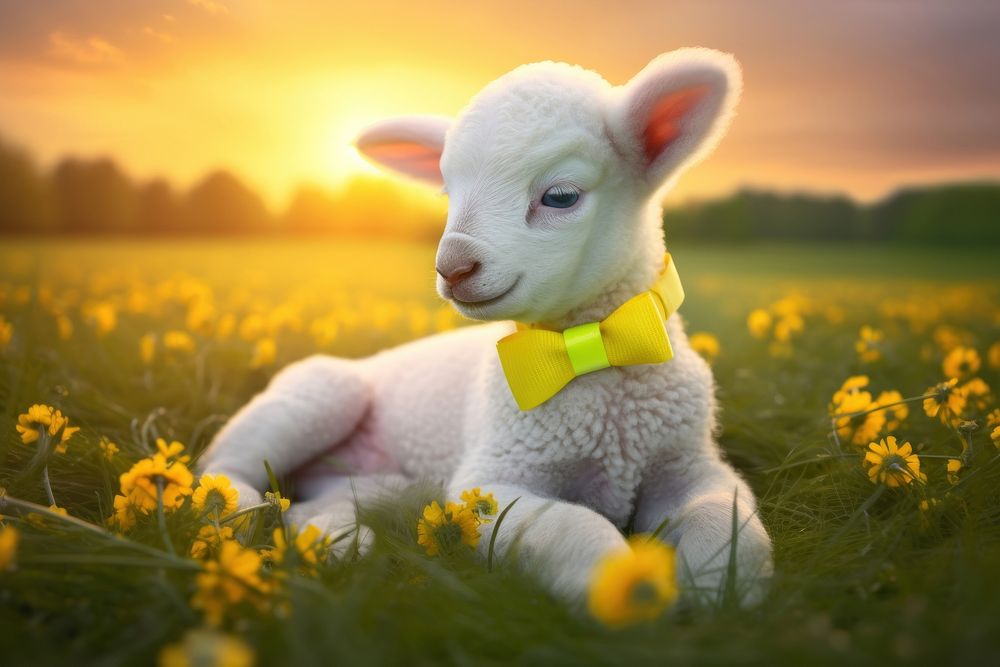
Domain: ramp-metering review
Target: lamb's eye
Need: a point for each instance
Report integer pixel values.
(560, 197)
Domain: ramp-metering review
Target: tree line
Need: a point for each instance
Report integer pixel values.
(96, 197)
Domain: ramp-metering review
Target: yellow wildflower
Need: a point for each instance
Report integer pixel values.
(209, 648)
(178, 341)
(209, 539)
(9, 538)
(705, 344)
(858, 429)
(947, 337)
(993, 418)
(277, 500)
(977, 393)
(138, 484)
(215, 496)
(232, 578)
(952, 469)
(308, 547)
(61, 422)
(897, 414)
(961, 362)
(264, 352)
(108, 448)
(324, 330)
(224, 327)
(869, 344)
(103, 316)
(993, 355)
(6, 333)
(200, 315)
(995, 437)
(788, 326)
(147, 348)
(442, 530)
(64, 326)
(635, 584)
(31, 424)
(172, 450)
(481, 505)
(891, 465)
(947, 402)
(852, 385)
(126, 508)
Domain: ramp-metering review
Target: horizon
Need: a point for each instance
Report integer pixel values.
(274, 94)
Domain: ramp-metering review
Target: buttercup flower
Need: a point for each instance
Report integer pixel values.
(869, 344)
(993, 355)
(33, 422)
(635, 584)
(178, 341)
(172, 451)
(858, 429)
(995, 437)
(277, 500)
(891, 465)
(9, 539)
(264, 352)
(977, 393)
(947, 403)
(961, 362)
(852, 385)
(897, 414)
(307, 548)
(108, 448)
(6, 334)
(952, 469)
(705, 344)
(481, 505)
(215, 496)
(209, 539)
(138, 485)
(147, 348)
(207, 647)
(232, 578)
(442, 530)
(759, 323)
(788, 326)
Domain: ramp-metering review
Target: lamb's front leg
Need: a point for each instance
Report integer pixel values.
(560, 541)
(696, 498)
(308, 407)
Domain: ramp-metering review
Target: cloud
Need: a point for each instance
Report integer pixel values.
(91, 50)
(213, 8)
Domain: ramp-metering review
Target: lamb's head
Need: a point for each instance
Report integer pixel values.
(553, 177)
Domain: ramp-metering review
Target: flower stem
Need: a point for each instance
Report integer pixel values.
(48, 485)
(254, 508)
(161, 518)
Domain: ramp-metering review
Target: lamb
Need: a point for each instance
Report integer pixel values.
(554, 179)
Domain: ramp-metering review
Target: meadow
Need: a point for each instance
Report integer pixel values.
(134, 342)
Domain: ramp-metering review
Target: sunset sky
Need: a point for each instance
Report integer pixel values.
(856, 97)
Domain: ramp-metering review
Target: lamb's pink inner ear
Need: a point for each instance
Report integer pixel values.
(663, 125)
(407, 157)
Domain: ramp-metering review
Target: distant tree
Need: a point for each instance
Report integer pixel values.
(313, 210)
(25, 201)
(222, 204)
(93, 196)
(158, 210)
(961, 214)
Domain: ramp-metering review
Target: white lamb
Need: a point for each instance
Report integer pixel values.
(555, 180)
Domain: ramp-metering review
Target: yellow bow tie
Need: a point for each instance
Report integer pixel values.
(538, 363)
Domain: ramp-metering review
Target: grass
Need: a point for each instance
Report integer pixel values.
(863, 575)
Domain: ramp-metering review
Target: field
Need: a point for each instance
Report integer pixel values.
(133, 342)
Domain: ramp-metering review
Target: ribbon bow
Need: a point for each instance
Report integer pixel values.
(538, 363)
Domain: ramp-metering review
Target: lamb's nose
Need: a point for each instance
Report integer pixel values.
(459, 273)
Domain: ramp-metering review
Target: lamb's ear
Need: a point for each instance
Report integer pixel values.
(674, 111)
(410, 144)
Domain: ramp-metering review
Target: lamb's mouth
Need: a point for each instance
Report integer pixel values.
(482, 303)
